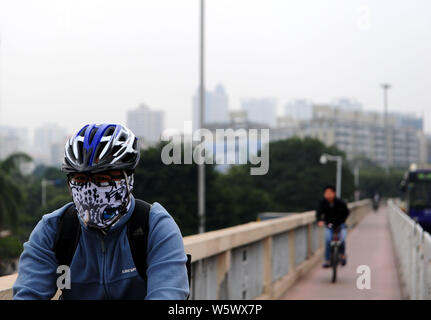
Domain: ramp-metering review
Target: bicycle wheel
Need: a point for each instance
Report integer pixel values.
(334, 263)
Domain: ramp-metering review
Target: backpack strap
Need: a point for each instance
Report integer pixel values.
(137, 234)
(189, 270)
(67, 236)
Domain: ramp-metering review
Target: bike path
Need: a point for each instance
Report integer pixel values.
(369, 243)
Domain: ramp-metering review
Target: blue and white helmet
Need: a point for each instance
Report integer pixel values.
(101, 147)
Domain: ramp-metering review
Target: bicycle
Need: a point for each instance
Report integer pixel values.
(375, 206)
(335, 245)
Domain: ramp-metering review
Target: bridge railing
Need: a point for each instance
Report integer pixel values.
(413, 251)
(256, 260)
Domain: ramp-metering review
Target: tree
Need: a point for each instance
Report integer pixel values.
(235, 198)
(11, 195)
(173, 186)
(10, 249)
(231, 199)
(294, 182)
(375, 179)
(296, 178)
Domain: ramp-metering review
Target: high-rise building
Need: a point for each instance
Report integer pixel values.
(346, 104)
(48, 134)
(12, 139)
(216, 107)
(299, 109)
(260, 111)
(407, 120)
(56, 154)
(361, 134)
(427, 148)
(44, 138)
(146, 124)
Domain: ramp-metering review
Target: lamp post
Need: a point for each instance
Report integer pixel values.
(201, 166)
(339, 159)
(44, 183)
(386, 87)
(357, 192)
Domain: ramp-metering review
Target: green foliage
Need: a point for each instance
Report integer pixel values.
(234, 198)
(10, 247)
(296, 178)
(294, 182)
(32, 210)
(375, 179)
(172, 186)
(229, 201)
(11, 195)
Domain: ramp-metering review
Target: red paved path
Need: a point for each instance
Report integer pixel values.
(368, 244)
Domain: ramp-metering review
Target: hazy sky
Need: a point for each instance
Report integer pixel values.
(73, 62)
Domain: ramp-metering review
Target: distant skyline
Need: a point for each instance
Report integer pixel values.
(77, 62)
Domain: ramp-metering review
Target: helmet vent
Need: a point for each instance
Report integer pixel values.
(128, 157)
(80, 146)
(115, 149)
(110, 131)
(93, 132)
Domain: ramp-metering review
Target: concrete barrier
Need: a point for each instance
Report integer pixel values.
(257, 260)
(413, 252)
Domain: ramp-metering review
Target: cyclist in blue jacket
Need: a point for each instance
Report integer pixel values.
(100, 162)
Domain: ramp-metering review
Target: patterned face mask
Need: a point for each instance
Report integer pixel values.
(100, 206)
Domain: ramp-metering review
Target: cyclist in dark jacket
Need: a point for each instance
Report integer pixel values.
(332, 212)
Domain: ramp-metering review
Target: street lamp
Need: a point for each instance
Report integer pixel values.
(386, 87)
(339, 159)
(44, 183)
(201, 166)
(357, 192)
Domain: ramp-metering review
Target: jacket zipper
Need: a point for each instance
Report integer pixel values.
(102, 243)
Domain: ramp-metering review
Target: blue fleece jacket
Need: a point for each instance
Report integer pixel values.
(103, 267)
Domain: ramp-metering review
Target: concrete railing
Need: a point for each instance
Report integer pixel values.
(257, 260)
(6, 283)
(413, 251)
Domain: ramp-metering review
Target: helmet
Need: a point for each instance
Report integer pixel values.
(101, 147)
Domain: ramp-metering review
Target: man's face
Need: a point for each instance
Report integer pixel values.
(329, 194)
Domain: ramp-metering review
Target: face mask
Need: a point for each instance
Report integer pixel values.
(102, 207)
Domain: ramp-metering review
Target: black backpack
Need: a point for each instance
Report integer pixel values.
(69, 232)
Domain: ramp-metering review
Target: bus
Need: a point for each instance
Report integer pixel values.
(416, 188)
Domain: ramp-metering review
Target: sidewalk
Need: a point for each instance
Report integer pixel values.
(369, 243)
